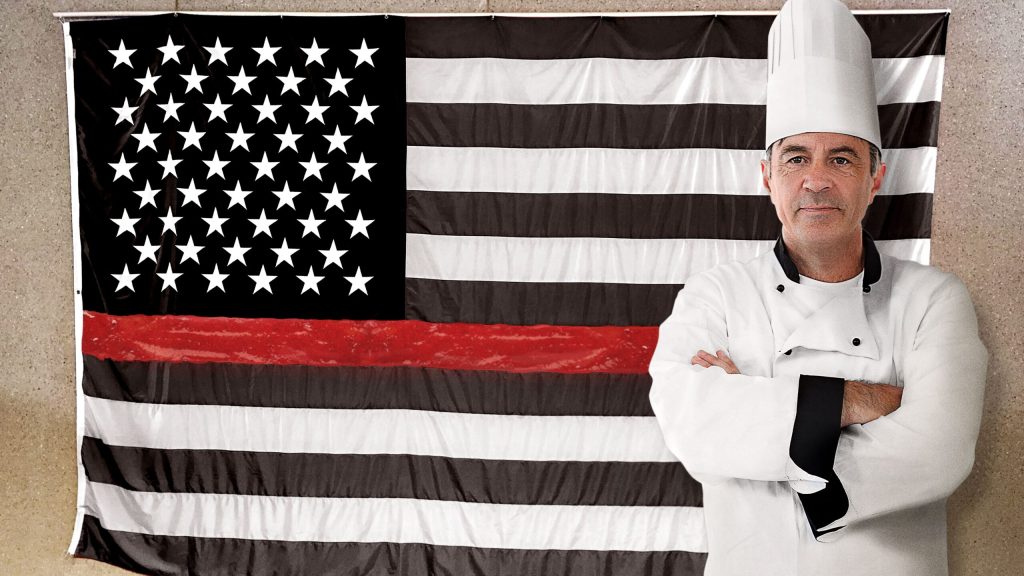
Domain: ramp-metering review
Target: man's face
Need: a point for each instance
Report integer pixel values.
(821, 185)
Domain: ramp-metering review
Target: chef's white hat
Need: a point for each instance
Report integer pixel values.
(820, 77)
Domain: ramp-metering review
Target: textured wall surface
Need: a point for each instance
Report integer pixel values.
(978, 233)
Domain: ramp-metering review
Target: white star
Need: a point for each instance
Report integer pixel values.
(171, 108)
(310, 281)
(240, 138)
(313, 167)
(290, 82)
(267, 52)
(314, 53)
(124, 113)
(364, 111)
(363, 54)
(122, 56)
(192, 194)
(195, 81)
(266, 110)
(125, 279)
(170, 165)
(334, 198)
(333, 256)
(284, 253)
(337, 140)
(189, 251)
(285, 197)
(216, 279)
(125, 224)
(122, 168)
(315, 110)
(237, 195)
(359, 226)
(147, 251)
(241, 81)
(147, 196)
(264, 168)
(217, 52)
(358, 282)
(237, 252)
(288, 139)
(311, 225)
(262, 224)
(362, 168)
(170, 222)
(216, 166)
(146, 138)
(170, 51)
(217, 109)
(148, 83)
(262, 280)
(169, 277)
(192, 138)
(216, 224)
(338, 84)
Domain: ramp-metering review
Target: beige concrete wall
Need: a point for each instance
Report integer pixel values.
(978, 233)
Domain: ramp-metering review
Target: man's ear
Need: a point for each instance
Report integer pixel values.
(764, 176)
(876, 182)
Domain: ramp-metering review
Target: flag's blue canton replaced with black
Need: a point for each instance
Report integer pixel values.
(242, 167)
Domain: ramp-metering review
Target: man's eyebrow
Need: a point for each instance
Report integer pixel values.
(844, 150)
(794, 148)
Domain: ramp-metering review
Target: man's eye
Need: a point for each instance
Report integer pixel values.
(842, 161)
(796, 160)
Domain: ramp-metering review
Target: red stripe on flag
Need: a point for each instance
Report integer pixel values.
(456, 346)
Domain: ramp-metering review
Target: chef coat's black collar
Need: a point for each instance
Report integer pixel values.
(872, 261)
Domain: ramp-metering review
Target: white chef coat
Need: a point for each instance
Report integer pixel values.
(785, 491)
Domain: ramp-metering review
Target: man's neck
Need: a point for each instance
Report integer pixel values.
(827, 263)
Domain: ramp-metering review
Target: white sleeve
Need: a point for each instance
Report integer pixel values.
(921, 452)
(722, 425)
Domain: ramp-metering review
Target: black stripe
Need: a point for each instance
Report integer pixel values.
(391, 476)
(180, 555)
(729, 217)
(539, 303)
(364, 388)
(648, 38)
(731, 126)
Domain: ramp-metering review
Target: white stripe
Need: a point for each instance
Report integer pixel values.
(627, 81)
(438, 522)
(76, 244)
(115, 14)
(424, 433)
(626, 171)
(597, 260)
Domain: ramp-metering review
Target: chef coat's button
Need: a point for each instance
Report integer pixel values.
(856, 341)
(867, 289)
(780, 287)
(788, 352)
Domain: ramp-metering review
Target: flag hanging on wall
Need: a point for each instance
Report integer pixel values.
(376, 295)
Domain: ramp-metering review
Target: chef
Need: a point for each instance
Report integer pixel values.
(826, 395)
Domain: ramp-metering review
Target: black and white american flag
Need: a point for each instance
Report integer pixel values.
(376, 295)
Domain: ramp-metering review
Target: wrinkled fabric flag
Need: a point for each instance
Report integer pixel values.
(377, 294)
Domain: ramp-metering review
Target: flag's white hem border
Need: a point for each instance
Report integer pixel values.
(115, 14)
(69, 71)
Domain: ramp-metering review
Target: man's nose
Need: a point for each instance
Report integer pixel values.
(817, 177)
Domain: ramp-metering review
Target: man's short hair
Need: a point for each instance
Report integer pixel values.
(875, 154)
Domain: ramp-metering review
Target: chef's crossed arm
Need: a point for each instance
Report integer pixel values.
(723, 424)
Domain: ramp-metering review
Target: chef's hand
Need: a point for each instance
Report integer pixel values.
(864, 402)
(722, 360)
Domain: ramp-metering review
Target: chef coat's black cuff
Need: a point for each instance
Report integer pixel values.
(819, 413)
